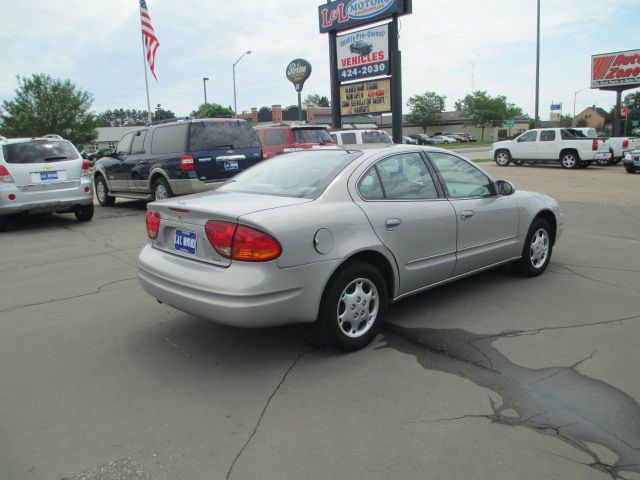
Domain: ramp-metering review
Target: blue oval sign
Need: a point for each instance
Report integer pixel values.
(365, 9)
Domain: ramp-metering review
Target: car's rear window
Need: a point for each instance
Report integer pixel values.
(40, 152)
(209, 135)
(312, 135)
(299, 174)
(376, 137)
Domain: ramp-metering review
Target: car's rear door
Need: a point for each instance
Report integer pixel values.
(547, 145)
(410, 215)
(223, 148)
(487, 223)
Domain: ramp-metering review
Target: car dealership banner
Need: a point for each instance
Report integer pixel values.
(367, 97)
(620, 69)
(363, 54)
(343, 14)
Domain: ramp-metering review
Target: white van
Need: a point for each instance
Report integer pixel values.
(361, 137)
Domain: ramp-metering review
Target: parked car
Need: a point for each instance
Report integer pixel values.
(361, 48)
(467, 137)
(285, 138)
(443, 139)
(423, 139)
(360, 137)
(176, 158)
(551, 145)
(334, 236)
(618, 146)
(458, 137)
(43, 175)
(632, 161)
(409, 141)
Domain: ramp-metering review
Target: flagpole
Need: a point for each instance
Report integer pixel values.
(146, 79)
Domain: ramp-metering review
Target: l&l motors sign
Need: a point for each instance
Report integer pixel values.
(620, 69)
(343, 14)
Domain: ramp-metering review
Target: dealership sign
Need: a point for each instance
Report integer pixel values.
(343, 14)
(621, 69)
(363, 54)
(367, 97)
(298, 71)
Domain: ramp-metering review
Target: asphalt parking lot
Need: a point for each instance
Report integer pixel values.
(495, 376)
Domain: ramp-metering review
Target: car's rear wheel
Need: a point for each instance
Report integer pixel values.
(161, 189)
(102, 192)
(537, 250)
(569, 160)
(84, 213)
(352, 308)
(502, 158)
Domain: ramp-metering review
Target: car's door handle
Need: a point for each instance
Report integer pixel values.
(467, 215)
(393, 223)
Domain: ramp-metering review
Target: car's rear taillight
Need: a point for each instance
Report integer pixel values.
(5, 176)
(153, 224)
(625, 143)
(594, 145)
(239, 242)
(85, 168)
(186, 163)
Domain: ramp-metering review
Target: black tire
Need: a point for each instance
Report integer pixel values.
(502, 158)
(4, 222)
(630, 169)
(331, 330)
(102, 192)
(530, 265)
(569, 159)
(84, 213)
(161, 189)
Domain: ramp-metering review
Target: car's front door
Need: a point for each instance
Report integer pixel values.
(525, 146)
(411, 217)
(118, 173)
(487, 222)
(136, 164)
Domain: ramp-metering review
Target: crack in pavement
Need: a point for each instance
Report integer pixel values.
(56, 300)
(617, 237)
(603, 282)
(557, 401)
(265, 407)
(613, 269)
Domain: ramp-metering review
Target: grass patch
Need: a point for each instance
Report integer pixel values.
(482, 160)
(462, 146)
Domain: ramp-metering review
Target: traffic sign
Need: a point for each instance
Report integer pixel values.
(510, 123)
(635, 123)
(624, 111)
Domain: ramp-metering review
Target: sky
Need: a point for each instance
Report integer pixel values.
(97, 45)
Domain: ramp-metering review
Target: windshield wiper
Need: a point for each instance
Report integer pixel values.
(50, 159)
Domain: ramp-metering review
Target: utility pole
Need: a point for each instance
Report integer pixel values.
(537, 116)
(204, 83)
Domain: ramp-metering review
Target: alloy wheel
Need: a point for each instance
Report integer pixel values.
(358, 307)
(539, 250)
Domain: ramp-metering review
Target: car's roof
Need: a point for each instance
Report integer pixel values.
(286, 125)
(9, 141)
(393, 148)
(349, 130)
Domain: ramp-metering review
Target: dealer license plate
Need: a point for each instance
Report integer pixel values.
(185, 241)
(48, 176)
(231, 165)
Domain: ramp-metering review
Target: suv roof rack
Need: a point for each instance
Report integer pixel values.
(169, 120)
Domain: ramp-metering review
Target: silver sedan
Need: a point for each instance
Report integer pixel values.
(334, 236)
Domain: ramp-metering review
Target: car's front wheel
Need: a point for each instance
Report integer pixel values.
(352, 308)
(502, 158)
(537, 250)
(102, 192)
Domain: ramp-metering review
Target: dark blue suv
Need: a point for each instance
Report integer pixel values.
(176, 158)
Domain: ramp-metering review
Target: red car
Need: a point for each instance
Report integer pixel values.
(284, 138)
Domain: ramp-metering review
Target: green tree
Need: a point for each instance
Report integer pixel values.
(212, 110)
(426, 109)
(119, 117)
(566, 121)
(162, 114)
(315, 100)
(582, 122)
(44, 105)
(485, 111)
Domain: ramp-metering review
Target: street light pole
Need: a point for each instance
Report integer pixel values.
(235, 101)
(537, 117)
(204, 83)
(575, 95)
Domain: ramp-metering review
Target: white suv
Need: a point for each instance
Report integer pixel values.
(43, 175)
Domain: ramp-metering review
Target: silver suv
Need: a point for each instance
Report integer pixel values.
(43, 175)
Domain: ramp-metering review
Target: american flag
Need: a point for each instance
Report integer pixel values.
(151, 43)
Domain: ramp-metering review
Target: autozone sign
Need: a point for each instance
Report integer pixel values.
(616, 69)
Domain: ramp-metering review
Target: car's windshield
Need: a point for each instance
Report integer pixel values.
(312, 135)
(207, 135)
(39, 151)
(299, 174)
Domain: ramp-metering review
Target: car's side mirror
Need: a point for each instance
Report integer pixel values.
(505, 188)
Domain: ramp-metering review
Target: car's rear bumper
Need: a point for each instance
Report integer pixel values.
(241, 295)
(45, 198)
(191, 185)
